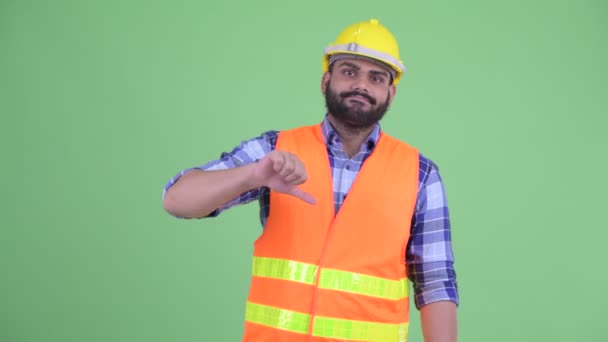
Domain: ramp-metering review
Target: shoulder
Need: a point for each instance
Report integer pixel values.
(267, 141)
(427, 166)
(269, 138)
(428, 169)
(248, 151)
(430, 181)
(301, 134)
(396, 141)
(257, 146)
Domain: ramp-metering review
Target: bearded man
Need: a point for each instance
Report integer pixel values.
(350, 215)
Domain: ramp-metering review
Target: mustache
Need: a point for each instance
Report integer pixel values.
(355, 93)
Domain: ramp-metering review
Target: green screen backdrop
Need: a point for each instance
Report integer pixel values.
(102, 102)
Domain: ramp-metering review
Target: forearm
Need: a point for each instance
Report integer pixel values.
(438, 321)
(198, 193)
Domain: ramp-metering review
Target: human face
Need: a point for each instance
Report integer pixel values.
(357, 92)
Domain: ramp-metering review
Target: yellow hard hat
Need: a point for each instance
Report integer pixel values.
(369, 39)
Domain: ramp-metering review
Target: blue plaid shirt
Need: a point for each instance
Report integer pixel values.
(429, 252)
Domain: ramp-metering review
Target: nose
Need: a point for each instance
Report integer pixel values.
(360, 84)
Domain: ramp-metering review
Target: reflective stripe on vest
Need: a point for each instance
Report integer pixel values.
(331, 279)
(325, 327)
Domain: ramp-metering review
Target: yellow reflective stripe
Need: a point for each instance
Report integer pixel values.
(277, 318)
(359, 330)
(284, 269)
(331, 279)
(364, 284)
(326, 327)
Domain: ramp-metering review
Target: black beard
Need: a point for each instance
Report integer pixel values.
(354, 117)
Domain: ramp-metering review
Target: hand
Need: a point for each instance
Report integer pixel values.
(282, 171)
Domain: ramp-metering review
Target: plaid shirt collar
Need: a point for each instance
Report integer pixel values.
(333, 141)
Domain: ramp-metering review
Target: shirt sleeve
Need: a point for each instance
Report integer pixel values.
(429, 254)
(247, 152)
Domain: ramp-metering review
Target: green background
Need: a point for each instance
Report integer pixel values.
(102, 102)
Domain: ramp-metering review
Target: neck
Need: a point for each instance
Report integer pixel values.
(352, 137)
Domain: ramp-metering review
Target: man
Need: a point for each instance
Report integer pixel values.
(350, 214)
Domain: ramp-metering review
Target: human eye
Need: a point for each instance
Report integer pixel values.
(348, 72)
(377, 79)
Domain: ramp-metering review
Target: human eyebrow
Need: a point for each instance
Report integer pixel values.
(351, 65)
(379, 73)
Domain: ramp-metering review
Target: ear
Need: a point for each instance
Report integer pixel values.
(325, 82)
(392, 90)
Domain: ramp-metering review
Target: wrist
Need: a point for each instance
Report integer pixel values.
(250, 181)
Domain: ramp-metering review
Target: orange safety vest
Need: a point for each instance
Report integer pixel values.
(324, 277)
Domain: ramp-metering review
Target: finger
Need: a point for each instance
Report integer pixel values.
(296, 178)
(293, 179)
(278, 160)
(303, 195)
(298, 175)
(288, 167)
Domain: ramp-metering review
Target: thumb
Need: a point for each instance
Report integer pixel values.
(303, 195)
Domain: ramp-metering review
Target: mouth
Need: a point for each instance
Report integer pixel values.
(358, 99)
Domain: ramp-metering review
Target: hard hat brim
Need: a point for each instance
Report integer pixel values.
(356, 49)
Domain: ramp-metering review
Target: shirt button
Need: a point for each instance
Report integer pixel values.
(348, 167)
